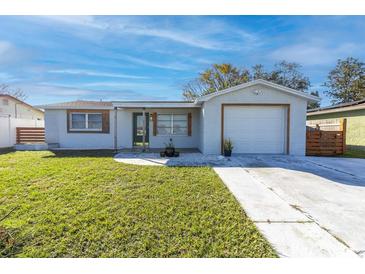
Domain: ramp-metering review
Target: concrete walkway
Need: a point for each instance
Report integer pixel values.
(185, 159)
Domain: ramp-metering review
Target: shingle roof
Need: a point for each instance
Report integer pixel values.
(343, 105)
(82, 104)
(79, 104)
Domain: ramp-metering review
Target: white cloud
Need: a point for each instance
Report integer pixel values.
(5, 76)
(173, 35)
(39, 93)
(200, 34)
(313, 53)
(12, 56)
(4, 47)
(7, 52)
(172, 66)
(82, 21)
(126, 85)
(96, 73)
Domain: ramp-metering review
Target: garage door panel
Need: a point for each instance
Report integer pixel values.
(256, 129)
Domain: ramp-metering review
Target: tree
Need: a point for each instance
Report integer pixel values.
(346, 82)
(17, 93)
(313, 105)
(285, 74)
(216, 78)
(222, 76)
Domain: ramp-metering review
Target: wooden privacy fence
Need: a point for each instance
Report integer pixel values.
(323, 142)
(30, 135)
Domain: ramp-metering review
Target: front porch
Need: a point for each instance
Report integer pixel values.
(151, 128)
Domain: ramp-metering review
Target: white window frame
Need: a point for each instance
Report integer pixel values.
(172, 124)
(86, 122)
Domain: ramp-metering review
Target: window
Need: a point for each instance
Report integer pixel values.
(172, 124)
(86, 121)
(5, 102)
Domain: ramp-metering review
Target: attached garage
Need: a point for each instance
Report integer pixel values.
(254, 128)
(259, 117)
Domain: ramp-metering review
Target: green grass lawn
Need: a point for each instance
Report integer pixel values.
(87, 205)
(354, 154)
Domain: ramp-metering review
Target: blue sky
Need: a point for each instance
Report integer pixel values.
(64, 58)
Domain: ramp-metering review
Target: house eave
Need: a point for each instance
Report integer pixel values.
(75, 107)
(308, 97)
(155, 105)
(335, 110)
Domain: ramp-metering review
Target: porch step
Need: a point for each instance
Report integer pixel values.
(35, 146)
(53, 145)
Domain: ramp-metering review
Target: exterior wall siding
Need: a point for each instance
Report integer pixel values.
(125, 129)
(19, 110)
(206, 124)
(201, 129)
(212, 116)
(355, 132)
(56, 132)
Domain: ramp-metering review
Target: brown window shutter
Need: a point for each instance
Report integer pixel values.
(154, 120)
(189, 124)
(105, 121)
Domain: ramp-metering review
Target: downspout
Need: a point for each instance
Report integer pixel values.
(115, 129)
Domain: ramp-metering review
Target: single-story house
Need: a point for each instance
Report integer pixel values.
(258, 117)
(354, 112)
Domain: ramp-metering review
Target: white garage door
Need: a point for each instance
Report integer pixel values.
(256, 129)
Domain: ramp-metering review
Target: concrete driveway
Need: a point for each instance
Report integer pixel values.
(305, 206)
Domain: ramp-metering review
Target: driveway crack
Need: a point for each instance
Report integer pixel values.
(334, 169)
(311, 219)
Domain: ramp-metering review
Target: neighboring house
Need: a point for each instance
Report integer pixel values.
(259, 117)
(15, 108)
(354, 113)
(16, 113)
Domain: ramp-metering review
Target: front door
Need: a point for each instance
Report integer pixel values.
(138, 129)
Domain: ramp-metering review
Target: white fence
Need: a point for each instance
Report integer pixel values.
(8, 129)
(326, 124)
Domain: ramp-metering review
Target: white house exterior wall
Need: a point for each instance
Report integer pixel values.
(18, 110)
(51, 125)
(125, 129)
(201, 129)
(179, 141)
(56, 132)
(212, 115)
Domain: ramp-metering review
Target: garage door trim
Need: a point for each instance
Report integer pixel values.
(287, 106)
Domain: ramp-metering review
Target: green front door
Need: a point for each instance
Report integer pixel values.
(138, 129)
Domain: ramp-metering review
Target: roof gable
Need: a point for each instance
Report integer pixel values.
(294, 92)
(20, 102)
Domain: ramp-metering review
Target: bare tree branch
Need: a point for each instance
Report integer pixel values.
(17, 93)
